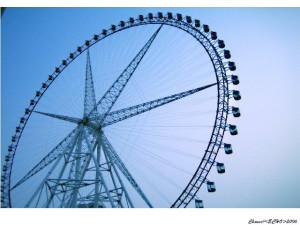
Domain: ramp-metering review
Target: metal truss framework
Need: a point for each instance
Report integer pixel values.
(97, 115)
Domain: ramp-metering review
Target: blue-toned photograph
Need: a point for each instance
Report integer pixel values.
(150, 108)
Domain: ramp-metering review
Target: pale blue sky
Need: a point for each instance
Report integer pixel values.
(264, 43)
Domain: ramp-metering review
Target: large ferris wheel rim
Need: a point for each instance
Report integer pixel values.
(221, 116)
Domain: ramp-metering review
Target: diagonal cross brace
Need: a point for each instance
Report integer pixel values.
(117, 161)
(48, 159)
(126, 113)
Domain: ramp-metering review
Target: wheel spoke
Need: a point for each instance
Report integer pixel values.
(61, 117)
(110, 97)
(50, 157)
(126, 113)
(117, 161)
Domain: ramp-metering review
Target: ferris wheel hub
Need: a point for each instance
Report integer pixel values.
(85, 121)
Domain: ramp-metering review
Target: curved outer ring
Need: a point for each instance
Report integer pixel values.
(215, 142)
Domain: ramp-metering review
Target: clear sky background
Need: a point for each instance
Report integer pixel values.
(264, 42)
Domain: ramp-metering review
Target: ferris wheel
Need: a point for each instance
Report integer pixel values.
(135, 117)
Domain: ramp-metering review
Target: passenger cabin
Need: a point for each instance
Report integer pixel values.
(10, 148)
(104, 32)
(150, 15)
(221, 44)
(6, 158)
(78, 49)
(113, 27)
(27, 111)
(188, 19)
(18, 129)
(38, 94)
(50, 77)
(211, 186)
(228, 148)
(57, 70)
(235, 79)
(220, 168)
(227, 54)
(4, 169)
(231, 66)
(13, 138)
(214, 35)
(170, 15)
(22, 120)
(32, 102)
(179, 16)
(44, 85)
(131, 20)
(160, 15)
(236, 112)
(71, 56)
(122, 23)
(236, 95)
(96, 37)
(64, 62)
(141, 18)
(197, 23)
(199, 203)
(205, 28)
(232, 129)
(87, 43)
